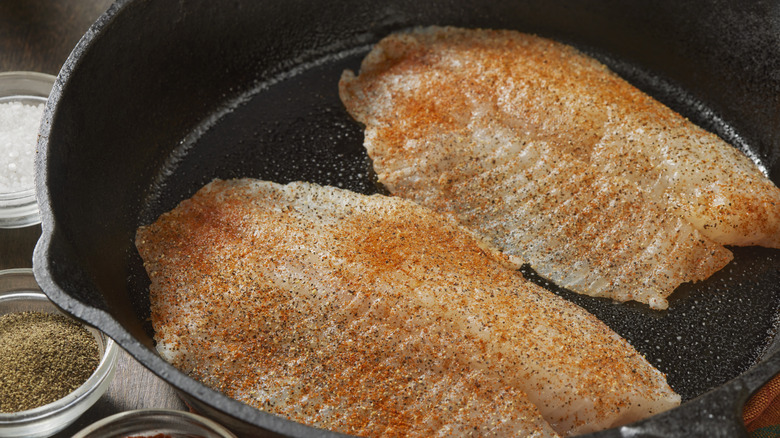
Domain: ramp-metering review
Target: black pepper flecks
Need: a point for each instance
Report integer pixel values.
(374, 316)
(44, 358)
(552, 158)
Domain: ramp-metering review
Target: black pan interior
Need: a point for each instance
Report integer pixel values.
(297, 129)
(161, 98)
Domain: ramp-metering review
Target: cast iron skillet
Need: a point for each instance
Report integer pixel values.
(158, 98)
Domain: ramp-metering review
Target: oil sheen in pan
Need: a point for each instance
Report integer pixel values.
(295, 128)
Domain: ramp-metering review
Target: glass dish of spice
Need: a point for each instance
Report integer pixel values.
(155, 423)
(23, 96)
(53, 368)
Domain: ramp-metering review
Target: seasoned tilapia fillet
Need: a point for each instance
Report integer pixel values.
(518, 138)
(592, 233)
(415, 86)
(372, 315)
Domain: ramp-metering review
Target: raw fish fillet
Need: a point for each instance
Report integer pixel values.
(372, 315)
(513, 134)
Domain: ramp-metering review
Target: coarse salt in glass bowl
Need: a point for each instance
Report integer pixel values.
(22, 98)
(19, 292)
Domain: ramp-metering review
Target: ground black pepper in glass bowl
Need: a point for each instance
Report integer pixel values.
(45, 358)
(39, 340)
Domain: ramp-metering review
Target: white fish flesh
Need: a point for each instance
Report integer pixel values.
(372, 315)
(513, 134)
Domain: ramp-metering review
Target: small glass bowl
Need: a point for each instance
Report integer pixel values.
(20, 208)
(148, 423)
(19, 292)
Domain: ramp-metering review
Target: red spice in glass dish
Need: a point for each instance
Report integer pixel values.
(159, 435)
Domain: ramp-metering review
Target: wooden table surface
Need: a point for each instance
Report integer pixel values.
(38, 35)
